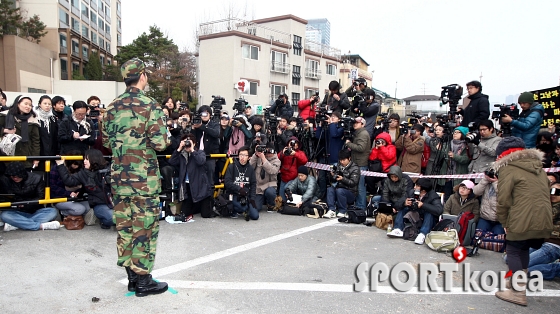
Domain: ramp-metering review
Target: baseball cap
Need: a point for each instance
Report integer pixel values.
(361, 120)
(225, 116)
(133, 68)
(468, 184)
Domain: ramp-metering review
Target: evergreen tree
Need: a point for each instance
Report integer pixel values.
(93, 70)
(13, 23)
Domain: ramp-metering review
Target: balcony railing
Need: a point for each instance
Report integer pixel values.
(313, 73)
(243, 26)
(63, 50)
(75, 11)
(280, 67)
(86, 58)
(63, 75)
(322, 49)
(65, 3)
(93, 5)
(85, 18)
(76, 54)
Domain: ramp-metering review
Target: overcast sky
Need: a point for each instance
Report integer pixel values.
(422, 45)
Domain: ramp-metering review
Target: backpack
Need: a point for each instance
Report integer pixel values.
(412, 228)
(223, 206)
(466, 223)
(425, 155)
(444, 225)
(442, 241)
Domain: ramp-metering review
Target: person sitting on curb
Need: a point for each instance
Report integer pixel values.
(428, 206)
(304, 185)
(463, 200)
(26, 186)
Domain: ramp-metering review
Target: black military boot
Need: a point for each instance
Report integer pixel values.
(132, 279)
(146, 286)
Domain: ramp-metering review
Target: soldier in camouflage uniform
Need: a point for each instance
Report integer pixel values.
(134, 128)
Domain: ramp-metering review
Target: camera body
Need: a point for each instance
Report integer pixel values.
(197, 119)
(291, 148)
(188, 144)
(491, 173)
(315, 98)
(321, 115)
(263, 149)
(289, 195)
(347, 123)
(336, 172)
(415, 200)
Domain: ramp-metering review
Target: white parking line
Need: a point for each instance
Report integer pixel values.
(318, 287)
(235, 250)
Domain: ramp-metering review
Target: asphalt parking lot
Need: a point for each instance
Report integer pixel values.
(278, 264)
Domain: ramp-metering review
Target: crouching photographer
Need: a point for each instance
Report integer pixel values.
(266, 165)
(345, 177)
(241, 185)
(194, 189)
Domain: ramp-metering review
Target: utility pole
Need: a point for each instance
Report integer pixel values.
(480, 78)
(396, 89)
(424, 88)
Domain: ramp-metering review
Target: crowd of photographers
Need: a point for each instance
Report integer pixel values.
(343, 130)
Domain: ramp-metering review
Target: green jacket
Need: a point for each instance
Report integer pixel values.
(524, 208)
(134, 128)
(361, 147)
(453, 205)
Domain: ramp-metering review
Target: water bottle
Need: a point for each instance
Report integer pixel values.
(389, 228)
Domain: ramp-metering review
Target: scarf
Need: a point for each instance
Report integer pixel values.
(83, 123)
(457, 147)
(45, 118)
(236, 141)
(22, 119)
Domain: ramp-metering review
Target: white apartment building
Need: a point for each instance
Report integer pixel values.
(272, 54)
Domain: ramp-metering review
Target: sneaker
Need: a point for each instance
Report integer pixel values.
(420, 239)
(340, 215)
(330, 214)
(234, 216)
(269, 209)
(396, 233)
(52, 225)
(8, 227)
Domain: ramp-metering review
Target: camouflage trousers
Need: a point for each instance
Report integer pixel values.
(137, 221)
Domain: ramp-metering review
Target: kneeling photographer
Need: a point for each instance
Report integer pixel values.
(266, 165)
(530, 119)
(428, 204)
(304, 185)
(195, 191)
(241, 186)
(345, 177)
(483, 147)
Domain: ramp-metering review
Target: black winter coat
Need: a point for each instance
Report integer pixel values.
(233, 178)
(92, 183)
(477, 110)
(397, 192)
(31, 188)
(49, 139)
(282, 110)
(337, 105)
(431, 203)
(66, 129)
(211, 131)
(351, 177)
(195, 165)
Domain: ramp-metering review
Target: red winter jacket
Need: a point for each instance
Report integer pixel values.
(305, 109)
(290, 164)
(387, 154)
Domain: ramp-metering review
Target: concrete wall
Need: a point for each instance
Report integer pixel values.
(81, 90)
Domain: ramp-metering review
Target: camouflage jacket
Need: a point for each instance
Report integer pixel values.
(134, 128)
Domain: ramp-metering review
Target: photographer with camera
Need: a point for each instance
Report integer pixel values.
(368, 108)
(240, 134)
(307, 106)
(487, 189)
(248, 113)
(185, 122)
(335, 100)
(361, 148)
(345, 177)
(478, 108)
(195, 191)
(483, 146)
(266, 165)
(304, 185)
(412, 146)
(428, 205)
(330, 142)
(358, 86)
(258, 134)
(291, 158)
(530, 119)
(207, 134)
(241, 184)
(281, 107)
(283, 133)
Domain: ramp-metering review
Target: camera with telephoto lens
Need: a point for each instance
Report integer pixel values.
(473, 136)
(291, 147)
(289, 195)
(378, 142)
(491, 173)
(263, 149)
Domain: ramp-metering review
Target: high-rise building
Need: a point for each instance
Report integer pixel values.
(324, 26)
(76, 29)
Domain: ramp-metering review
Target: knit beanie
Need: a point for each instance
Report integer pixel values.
(526, 97)
(508, 143)
(462, 129)
(303, 170)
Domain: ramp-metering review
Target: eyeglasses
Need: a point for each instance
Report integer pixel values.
(243, 155)
(483, 129)
(463, 187)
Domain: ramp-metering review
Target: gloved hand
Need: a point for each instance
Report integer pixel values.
(243, 192)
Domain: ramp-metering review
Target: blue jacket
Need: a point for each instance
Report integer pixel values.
(335, 141)
(528, 125)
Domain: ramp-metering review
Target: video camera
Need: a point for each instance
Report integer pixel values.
(510, 110)
(94, 111)
(240, 105)
(321, 115)
(263, 149)
(358, 100)
(271, 121)
(217, 104)
(347, 123)
(183, 106)
(451, 94)
(413, 118)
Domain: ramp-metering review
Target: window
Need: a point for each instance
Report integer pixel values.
(75, 25)
(85, 52)
(63, 17)
(107, 28)
(63, 45)
(279, 62)
(295, 100)
(76, 4)
(331, 69)
(119, 24)
(75, 49)
(108, 47)
(297, 45)
(296, 75)
(94, 37)
(310, 92)
(75, 68)
(85, 31)
(108, 11)
(102, 59)
(36, 90)
(93, 18)
(119, 40)
(101, 25)
(118, 7)
(63, 69)
(276, 90)
(250, 52)
(312, 69)
(85, 9)
(252, 90)
(101, 43)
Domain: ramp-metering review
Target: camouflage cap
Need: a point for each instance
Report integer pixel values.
(133, 68)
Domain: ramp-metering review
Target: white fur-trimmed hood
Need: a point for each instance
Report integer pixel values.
(530, 159)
